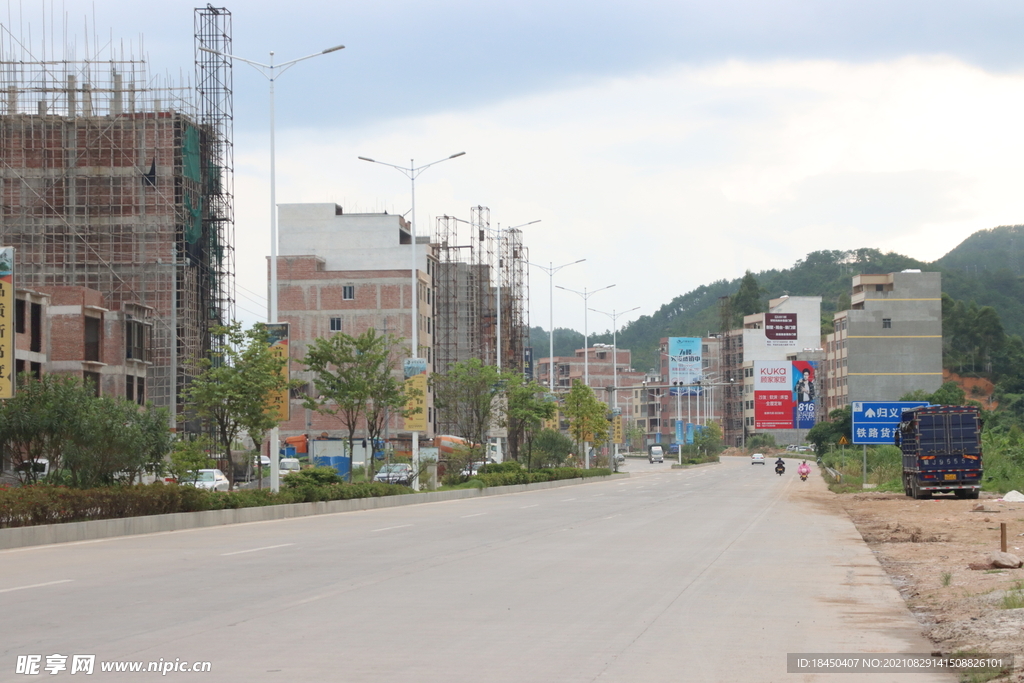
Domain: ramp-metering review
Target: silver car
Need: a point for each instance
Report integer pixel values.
(395, 473)
(211, 480)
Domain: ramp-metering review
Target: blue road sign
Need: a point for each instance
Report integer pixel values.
(875, 422)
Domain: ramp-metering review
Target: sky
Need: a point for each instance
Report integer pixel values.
(670, 144)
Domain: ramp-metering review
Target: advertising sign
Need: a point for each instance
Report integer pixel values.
(780, 329)
(7, 379)
(415, 371)
(876, 422)
(785, 394)
(617, 430)
(279, 404)
(685, 365)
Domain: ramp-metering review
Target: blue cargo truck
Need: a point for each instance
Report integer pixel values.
(941, 451)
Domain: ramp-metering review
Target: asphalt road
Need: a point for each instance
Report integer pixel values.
(706, 574)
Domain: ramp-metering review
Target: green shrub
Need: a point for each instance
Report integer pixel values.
(313, 476)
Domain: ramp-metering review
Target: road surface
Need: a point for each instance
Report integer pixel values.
(706, 574)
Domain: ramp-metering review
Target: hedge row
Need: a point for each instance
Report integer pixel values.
(46, 504)
(508, 476)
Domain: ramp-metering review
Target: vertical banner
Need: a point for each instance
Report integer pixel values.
(773, 395)
(528, 363)
(805, 392)
(415, 371)
(685, 365)
(617, 429)
(279, 404)
(7, 329)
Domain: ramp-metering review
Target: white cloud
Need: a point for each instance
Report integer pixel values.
(673, 179)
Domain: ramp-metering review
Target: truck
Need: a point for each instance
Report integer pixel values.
(941, 448)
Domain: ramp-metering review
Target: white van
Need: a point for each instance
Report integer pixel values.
(655, 454)
(288, 465)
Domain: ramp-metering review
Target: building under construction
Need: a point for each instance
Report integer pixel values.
(112, 182)
(474, 261)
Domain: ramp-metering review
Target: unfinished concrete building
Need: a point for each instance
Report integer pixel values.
(474, 260)
(111, 182)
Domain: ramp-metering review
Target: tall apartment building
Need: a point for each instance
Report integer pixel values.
(340, 272)
(112, 185)
(790, 330)
(890, 341)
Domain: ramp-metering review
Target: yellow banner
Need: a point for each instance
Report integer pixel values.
(415, 370)
(617, 429)
(278, 404)
(7, 330)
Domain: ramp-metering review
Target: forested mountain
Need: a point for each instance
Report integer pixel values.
(984, 269)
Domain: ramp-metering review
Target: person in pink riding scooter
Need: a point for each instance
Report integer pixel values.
(803, 469)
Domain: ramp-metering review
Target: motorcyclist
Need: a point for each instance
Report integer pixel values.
(803, 469)
(780, 461)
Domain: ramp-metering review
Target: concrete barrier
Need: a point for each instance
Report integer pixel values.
(44, 534)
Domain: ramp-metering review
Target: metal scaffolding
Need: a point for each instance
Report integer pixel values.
(111, 179)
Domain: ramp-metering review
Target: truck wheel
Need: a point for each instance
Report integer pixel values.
(906, 487)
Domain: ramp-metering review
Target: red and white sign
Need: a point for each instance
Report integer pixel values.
(780, 329)
(773, 395)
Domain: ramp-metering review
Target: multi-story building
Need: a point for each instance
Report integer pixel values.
(341, 272)
(890, 341)
(790, 330)
(123, 191)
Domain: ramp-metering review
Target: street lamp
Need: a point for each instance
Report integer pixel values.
(413, 172)
(551, 270)
(615, 358)
(586, 351)
(271, 72)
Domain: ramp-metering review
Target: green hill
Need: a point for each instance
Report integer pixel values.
(984, 268)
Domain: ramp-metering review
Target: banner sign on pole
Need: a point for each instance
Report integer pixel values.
(279, 404)
(415, 370)
(685, 365)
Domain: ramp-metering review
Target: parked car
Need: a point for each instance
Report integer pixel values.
(211, 480)
(395, 473)
(289, 465)
(264, 461)
(757, 459)
(472, 469)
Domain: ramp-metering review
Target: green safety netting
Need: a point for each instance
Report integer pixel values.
(190, 153)
(194, 219)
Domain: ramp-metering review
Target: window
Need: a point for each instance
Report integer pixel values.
(140, 390)
(36, 328)
(886, 323)
(19, 316)
(92, 339)
(129, 387)
(135, 333)
(348, 292)
(879, 288)
(335, 324)
(92, 378)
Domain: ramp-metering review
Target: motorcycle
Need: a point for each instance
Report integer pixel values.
(780, 469)
(803, 476)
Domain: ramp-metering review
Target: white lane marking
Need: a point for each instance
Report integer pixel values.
(35, 585)
(529, 506)
(612, 516)
(255, 550)
(389, 528)
(476, 515)
(566, 500)
(596, 495)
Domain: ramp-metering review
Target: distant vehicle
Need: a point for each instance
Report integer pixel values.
(473, 468)
(264, 461)
(757, 459)
(395, 473)
(655, 454)
(289, 465)
(620, 458)
(941, 451)
(211, 480)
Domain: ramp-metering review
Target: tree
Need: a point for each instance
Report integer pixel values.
(465, 397)
(550, 449)
(240, 379)
(387, 395)
(747, 299)
(528, 406)
(352, 373)
(839, 424)
(42, 421)
(588, 420)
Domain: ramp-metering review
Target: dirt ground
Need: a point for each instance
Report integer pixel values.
(928, 547)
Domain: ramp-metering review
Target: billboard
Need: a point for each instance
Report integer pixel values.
(279, 404)
(685, 365)
(785, 394)
(875, 422)
(780, 329)
(415, 371)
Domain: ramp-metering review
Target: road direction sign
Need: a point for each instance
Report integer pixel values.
(875, 422)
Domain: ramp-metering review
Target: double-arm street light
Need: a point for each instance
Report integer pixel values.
(272, 72)
(615, 358)
(551, 270)
(412, 171)
(586, 350)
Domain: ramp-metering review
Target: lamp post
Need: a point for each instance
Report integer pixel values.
(551, 270)
(586, 352)
(413, 172)
(615, 359)
(272, 72)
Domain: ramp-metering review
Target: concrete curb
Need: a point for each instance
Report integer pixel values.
(46, 534)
